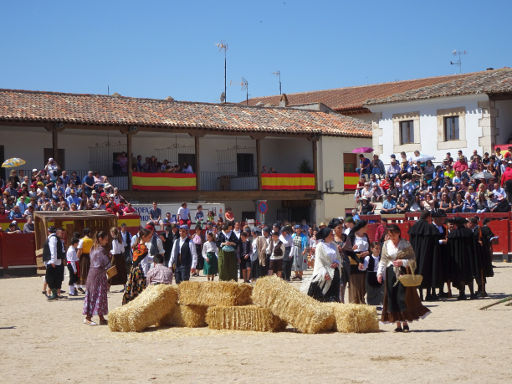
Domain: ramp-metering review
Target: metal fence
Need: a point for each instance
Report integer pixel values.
(227, 181)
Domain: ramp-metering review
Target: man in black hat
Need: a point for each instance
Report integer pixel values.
(424, 238)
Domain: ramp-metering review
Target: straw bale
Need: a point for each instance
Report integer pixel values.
(147, 309)
(190, 316)
(301, 311)
(244, 318)
(354, 318)
(212, 293)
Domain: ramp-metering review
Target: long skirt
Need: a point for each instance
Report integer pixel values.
(357, 288)
(374, 294)
(332, 295)
(200, 260)
(401, 303)
(211, 267)
(135, 285)
(120, 263)
(85, 264)
(228, 266)
(300, 261)
(95, 302)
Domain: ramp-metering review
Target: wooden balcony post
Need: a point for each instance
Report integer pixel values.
(314, 142)
(198, 168)
(258, 162)
(129, 132)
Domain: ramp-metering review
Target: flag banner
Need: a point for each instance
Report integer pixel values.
(143, 181)
(287, 181)
(350, 180)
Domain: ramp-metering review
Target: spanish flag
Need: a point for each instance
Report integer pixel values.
(351, 180)
(287, 181)
(164, 181)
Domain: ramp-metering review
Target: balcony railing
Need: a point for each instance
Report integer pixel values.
(224, 181)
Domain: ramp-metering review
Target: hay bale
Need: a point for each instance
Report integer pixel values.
(190, 316)
(354, 318)
(147, 309)
(301, 311)
(244, 318)
(226, 293)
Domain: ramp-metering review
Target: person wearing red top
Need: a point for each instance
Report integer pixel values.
(381, 230)
(506, 181)
(384, 184)
(128, 208)
(460, 165)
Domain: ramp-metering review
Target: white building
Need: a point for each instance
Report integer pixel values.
(466, 113)
(227, 145)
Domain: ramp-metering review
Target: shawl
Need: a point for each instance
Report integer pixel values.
(405, 252)
(322, 267)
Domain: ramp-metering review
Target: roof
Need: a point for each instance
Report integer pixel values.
(492, 82)
(352, 99)
(88, 109)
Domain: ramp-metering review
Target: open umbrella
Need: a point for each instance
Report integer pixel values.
(363, 150)
(423, 158)
(483, 176)
(13, 162)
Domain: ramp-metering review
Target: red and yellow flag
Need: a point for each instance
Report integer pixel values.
(287, 181)
(351, 180)
(164, 181)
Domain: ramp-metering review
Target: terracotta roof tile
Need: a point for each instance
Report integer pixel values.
(497, 81)
(37, 106)
(353, 98)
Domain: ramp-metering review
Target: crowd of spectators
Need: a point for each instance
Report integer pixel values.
(414, 183)
(54, 189)
(153, 165)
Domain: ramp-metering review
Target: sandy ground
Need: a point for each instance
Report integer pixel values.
(46, 342)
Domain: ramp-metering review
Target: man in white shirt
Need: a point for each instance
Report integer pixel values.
(183, 256)
(286, 238)
(53, 253)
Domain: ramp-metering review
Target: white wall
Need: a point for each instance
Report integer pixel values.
(504, 121)
(26, 143)
(286, 154)
(428, 123)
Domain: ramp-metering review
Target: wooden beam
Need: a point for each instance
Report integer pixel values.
(258, 162)
(130, 161)
(55, 144)
(198, 167)
(315, 161)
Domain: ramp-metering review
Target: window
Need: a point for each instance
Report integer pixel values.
(189, 158)
(245, 164)
(451, 128)
(349, 162)
(406, 132)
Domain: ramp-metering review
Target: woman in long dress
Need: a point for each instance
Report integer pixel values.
(401, 304)
(137, 281)
(339, 240)
(356, 248)
(325, 280)
(118, 260)
(95, 302)
(228, 264)
(210, 257)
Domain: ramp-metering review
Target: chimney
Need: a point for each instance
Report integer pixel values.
(284, 100)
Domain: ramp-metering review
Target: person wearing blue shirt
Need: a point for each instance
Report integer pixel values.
(15, 213)
(469, 204)
(88, 183)
(389, 205)
(73, 198)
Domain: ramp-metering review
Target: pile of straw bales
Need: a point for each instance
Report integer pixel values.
(268, 307)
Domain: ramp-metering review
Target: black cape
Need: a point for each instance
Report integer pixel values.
(424, 239)
(487, 251)
(462, 249)
(445, 259)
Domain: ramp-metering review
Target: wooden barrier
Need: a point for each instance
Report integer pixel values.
(17, 253)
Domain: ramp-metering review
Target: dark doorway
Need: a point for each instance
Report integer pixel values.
(59, 158)
(295, 211)
(245, 164)
(189, 158)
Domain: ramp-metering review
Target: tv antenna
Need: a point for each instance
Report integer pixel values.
(278, 74)
(458, 54)
(224, 46)
(245, 86)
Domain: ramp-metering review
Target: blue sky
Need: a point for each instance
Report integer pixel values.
(167, 48)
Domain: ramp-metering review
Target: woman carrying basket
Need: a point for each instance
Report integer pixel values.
(401, 303)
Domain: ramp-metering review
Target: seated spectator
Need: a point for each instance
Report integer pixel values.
(13, 228)
(403, 205)
(469, 204)
(389, 205)
(187, 168)
(29, 225)
(128, 209)
(15, 213)
(377, 166)
(364, 165)
(367, 208)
